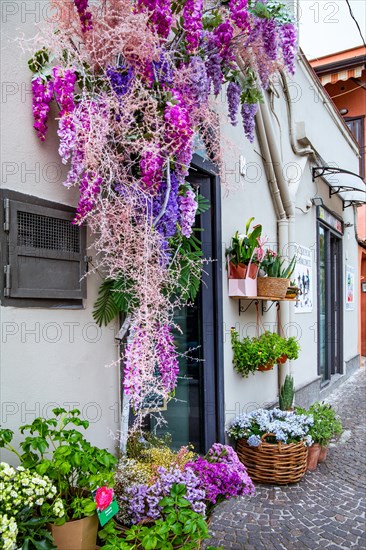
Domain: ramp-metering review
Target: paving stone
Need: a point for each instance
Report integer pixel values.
(325, 510)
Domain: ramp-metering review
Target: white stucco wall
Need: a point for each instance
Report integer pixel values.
(49, 357)
(333, 143)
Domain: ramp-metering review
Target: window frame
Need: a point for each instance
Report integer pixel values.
(9, 252)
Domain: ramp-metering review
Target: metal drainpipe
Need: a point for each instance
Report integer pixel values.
(282, 221)
(296, 149)
(283, 225)
(262, 138)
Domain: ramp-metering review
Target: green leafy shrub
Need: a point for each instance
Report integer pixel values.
(180, 527)
(327, 424)
(54, 448)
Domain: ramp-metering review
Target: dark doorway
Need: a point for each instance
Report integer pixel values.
(196, 414)
(330, 349)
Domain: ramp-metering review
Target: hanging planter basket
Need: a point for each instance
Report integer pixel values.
(263, 368)
(273, 287)
(275, 463)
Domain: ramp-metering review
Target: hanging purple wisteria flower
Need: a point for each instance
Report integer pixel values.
(89, 189)
(187, 209)
(224, 35)
(269, 33)
(84, 15)
(239, 13)
(151, 165)
(233, 98)
(199, 82)
(192, 23)
(289, 46)
(248, 112)
(42, 96)
(167, 225)
(167, 358)
(64, 84)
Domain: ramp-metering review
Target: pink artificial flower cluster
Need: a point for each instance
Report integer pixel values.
(187, 210)
(42, 96)
(192, 23)
(84, 15)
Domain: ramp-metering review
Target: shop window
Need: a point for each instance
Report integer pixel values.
(356, 125)
(43, 254)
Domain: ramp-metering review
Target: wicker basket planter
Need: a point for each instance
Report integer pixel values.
(275, 463)
(273, 287)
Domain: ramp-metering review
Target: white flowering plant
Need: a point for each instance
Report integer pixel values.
(55, 448)
(284, 426)
(28, 501)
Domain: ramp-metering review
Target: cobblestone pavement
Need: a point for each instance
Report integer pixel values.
(325, 510)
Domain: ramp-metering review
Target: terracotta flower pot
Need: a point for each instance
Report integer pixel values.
(282, 359)
(80, 534)
(323, 454)
(240, 271)
(263, 368)
(313, 456)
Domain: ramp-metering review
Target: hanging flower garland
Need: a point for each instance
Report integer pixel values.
(132, 81)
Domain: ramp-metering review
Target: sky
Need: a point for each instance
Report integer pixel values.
(326, 26)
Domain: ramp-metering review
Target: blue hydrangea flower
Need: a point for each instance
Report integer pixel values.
(254, 441)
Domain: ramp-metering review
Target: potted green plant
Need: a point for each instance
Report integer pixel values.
(326, 426)
(292, 290)
(258, 353)
(242, 250)
(289, 350)
(28, 503)
(276, 277)
(287, 394)
(56, 448)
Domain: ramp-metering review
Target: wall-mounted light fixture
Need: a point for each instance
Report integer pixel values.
(317, 201)
(348, 224)
(343, 112)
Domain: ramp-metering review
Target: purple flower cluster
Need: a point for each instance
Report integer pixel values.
(214, 72)
(248, 112)
(269, 33)
(89, 188)
(239, 13)
(161, 15)
(289, 46)
(223, 36)
(84, 15)
(163, 70)
(221, 474)
(42, 96)
(178, 127)
(199, 83)
(64, 84)
(151, 166)
(67, 135)
(167, 225)
(187, 210)
(143, 500)
(120, 79)
(167, 358)
(233, 98)
(179, 133)
(192, 23)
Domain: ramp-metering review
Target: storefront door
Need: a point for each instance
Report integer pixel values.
(330, 349)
